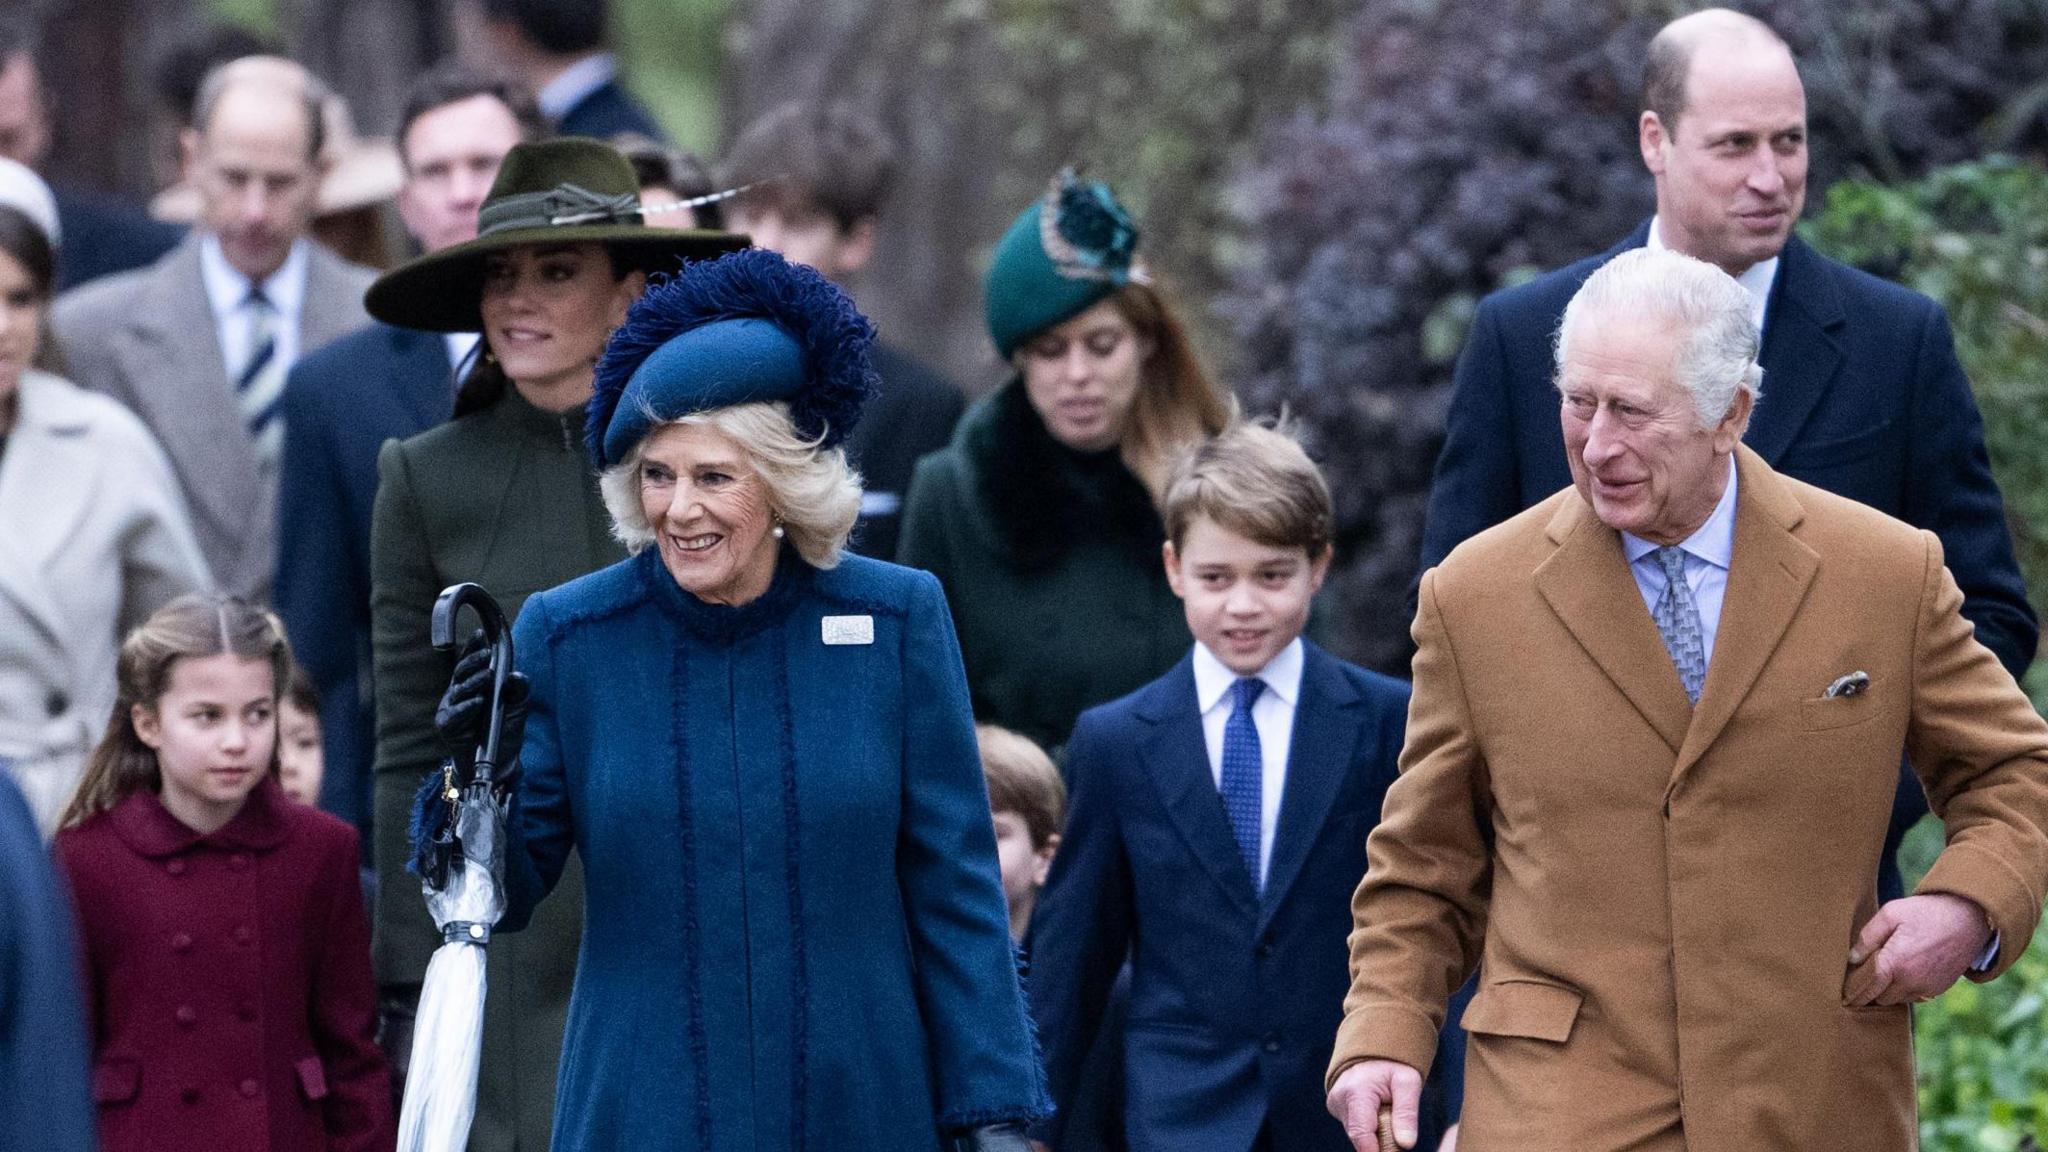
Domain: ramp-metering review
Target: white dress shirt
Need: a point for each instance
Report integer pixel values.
(1272, 715)
(227, 293)
(1706, 565)
(460, 345)
(1756, 279)
(575, 82)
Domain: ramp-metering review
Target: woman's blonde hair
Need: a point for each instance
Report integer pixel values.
(193, 626)
(1177, 404)
(811, 490)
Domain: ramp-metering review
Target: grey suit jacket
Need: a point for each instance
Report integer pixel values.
(148, 339)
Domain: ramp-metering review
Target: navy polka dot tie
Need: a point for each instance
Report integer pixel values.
(1244, 775)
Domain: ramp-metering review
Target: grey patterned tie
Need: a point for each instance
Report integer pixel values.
(1678, 622)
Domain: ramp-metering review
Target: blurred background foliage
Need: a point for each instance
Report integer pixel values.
(1328, 186)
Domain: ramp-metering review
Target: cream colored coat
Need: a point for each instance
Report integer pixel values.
(1665, 897)
(93, 538)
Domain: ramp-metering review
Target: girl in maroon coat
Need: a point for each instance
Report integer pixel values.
(225, 944)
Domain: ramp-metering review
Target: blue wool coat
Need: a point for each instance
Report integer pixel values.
(795, 936)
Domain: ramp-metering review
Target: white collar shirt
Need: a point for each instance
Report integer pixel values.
(1272, 716)
(228, 292)
(575, 82)
(1755, 280)
(1707, 552)
(459, 345)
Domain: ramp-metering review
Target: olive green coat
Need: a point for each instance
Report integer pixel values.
(503, 497)
(1051, 562)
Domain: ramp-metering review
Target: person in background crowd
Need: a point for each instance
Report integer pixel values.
(1867, 398)
(818, 177)
(105, 233)
(1041, 517)
(93, 535)
(198, 343)
(1218, 828)
(359, 177)
(343, 401)
(225, 947)
(175, 82)
(669, 175)
(556, 49)
(777, 735)
(45, 1064)
(300, 764)
(1655, 737)
(1028, 802)
(504, 496)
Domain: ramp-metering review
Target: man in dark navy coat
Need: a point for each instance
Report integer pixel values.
(44, 1056)
(557, 49)
(380, 383)
(1862, 393)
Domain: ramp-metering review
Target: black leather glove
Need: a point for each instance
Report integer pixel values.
(465, 711)
(991, 1138)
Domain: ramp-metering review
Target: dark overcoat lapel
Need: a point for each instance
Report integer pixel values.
(1802, 351)
(1176, 760)
(1320, 757)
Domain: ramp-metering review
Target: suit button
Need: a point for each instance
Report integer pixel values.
(189, 1095)
(238, 861)
(244, 934)
(175, 867)
(182, 942)
(1265, 947)
(250, 1088)
(187, 1015)
(1272, 1042)
(56, 703)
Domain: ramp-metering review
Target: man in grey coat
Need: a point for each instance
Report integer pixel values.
(198, 343)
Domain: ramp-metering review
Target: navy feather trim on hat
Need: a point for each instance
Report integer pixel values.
(831, 334)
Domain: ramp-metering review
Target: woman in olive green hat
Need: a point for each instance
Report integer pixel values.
(503, 495)
(1041, 517)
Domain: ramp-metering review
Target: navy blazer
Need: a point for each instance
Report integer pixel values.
(1235, 996)
(104, 234)
(340, 405)
(608, 111)
(1862, 396)
(44, 1099)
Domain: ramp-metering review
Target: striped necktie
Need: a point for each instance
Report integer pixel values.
(259, 384)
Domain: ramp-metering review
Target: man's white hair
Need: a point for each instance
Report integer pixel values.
(1717, 357)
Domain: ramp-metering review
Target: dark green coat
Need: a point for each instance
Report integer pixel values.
(504, 497)
(1050, 561)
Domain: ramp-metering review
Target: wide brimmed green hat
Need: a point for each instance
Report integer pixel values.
(566, 191)
(1072, 247)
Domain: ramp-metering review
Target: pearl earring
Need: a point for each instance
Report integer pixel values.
(778, 532)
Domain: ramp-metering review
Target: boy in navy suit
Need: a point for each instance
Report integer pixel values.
(1217, 829)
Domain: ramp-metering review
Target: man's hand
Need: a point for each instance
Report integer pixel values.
(1917, 948)
(1360, 1090)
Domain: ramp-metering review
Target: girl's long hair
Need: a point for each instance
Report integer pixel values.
(192, 626)
(1177, 404)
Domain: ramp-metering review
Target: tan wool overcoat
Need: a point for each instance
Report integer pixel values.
(1661, 898)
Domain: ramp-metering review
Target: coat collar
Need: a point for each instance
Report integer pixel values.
(1176, 759)
(142, 821)
(1587, 583)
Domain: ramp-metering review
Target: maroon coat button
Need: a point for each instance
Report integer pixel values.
(175, 867)
(244, 934)
(247, 1012)
(182, 942)
(250, 1088)
(187, 1015)
(238, 861)
(189, 1095)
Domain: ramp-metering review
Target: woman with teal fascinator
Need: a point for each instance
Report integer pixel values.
(761, 747)
(1041, 518)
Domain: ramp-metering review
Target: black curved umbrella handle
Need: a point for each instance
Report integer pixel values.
(447, 606)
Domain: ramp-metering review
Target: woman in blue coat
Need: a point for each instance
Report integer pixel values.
(762, 747)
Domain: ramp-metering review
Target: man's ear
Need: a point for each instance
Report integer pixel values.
(1728, 433)
(1172, 562)
(1318, 568)
(188, 153)
(857, 245)
(1652, 139)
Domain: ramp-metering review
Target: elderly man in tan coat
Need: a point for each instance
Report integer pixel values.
(1654, 740)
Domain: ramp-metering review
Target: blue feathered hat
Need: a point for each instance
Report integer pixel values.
(745, 327)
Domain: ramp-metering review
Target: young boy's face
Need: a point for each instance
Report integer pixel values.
(1245, 601)
(300, 761)
(1024, 866)
(806, 236)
